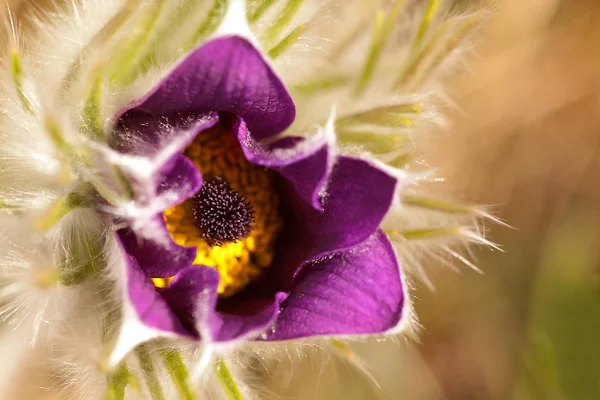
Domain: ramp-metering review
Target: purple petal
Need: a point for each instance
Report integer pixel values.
(159, 256)
(179, 179)
(354, 292)
(193, 296)
(150, 307)
(142, 133)
(161, 141)
(356, 200)
(176, 178)
(225, 74)
(302, 163)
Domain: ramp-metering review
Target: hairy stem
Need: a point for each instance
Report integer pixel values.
(284, 18)
(286, 42)
(227, 382)
(92, 120)
(425, 22)
(211, 22)
(16, 68)
(102, 37)
(381, 33)
(149, 373)
(179, 373)
(426, 233)
(260, 10)
(437, 205)
(130, 54)
(117, 382)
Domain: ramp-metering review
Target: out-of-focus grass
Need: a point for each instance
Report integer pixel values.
(562, 356)
(527, 140)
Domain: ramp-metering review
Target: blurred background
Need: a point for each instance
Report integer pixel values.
(524, 138)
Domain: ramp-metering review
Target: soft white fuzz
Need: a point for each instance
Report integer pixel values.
(366, 75)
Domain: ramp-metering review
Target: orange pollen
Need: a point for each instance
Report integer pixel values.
(219, 157)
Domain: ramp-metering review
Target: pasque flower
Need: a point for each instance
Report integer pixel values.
(216, 181)
(284, 234)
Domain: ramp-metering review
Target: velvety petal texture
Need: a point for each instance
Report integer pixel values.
(226, 74)
(304, 164)
(193, 296)
(334, 272)
(355, 201)
(150, 307)
(167, 173)
(158, 256)
(356, 291)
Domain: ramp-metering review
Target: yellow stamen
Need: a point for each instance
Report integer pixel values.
(217, 153)
(162, 282)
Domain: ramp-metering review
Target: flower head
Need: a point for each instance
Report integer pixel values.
(171, 165)
(280, 235)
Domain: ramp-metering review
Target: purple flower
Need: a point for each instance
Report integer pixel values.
(250, 236)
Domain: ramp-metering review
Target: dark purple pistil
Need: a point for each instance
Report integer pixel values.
(221, 213)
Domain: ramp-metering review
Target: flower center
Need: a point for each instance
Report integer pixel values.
(221, 213)
(234, 219)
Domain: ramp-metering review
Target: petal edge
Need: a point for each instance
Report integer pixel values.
(354, 292)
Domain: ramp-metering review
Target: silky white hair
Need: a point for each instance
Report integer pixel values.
(350, 84)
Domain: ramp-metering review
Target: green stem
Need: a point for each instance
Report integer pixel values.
(286, 42)
(211, 22)
(54, 214)
(128, 59)
(284, 18)
(374, 142)
(384, 116)
(436, 205)
(387, 119)
(100, 38)
(179, 373)
(260, 10)
(321, 84)
(373, 55)
(427, 233)
(164, 32)
(149, 373)
(381, 33)
(420, 52)
(110, 195)
(226, 380)
(92, 120)
(427, 17)
(117, 382)
(418, 55)
(56, 134)
(17, 74)
(462, 30)
(401, 160)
